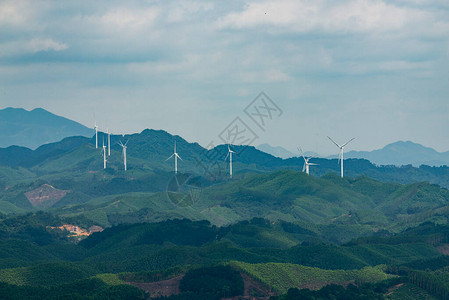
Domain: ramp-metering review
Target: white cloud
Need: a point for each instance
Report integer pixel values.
(263, 76)
(223, 54)
(37, 45)
(11, 13)
(125, 19)
(186, 10)
(340, 17)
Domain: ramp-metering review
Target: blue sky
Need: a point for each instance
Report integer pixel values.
(370, 69)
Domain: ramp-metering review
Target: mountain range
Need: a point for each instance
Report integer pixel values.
(37, 127)
(32, 129)
(273, 223)
(400, 153)
(277, 151)
(403, 153)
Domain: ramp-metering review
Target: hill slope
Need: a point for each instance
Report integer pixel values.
(34, 128)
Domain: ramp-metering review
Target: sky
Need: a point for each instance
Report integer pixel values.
(373, 70)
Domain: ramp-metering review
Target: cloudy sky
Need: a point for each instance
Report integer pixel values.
(370, 69)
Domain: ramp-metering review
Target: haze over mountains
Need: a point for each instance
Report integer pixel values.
(37, 127)
(400, 153)
(277, 151)
(403, 153)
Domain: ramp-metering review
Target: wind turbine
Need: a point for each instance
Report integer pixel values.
(104, 155)
(176, 159)
(306, 162)
(230, 160)
(124, 152)
(109, 143)
(340, 155)
(96, 135)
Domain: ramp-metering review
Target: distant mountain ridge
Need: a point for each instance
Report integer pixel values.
(148, 151)
(276, 151)
(403, 153)
(31, 129)
(400, 153)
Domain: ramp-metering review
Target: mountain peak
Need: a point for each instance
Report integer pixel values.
(408, 146)
(403, 153)
(277, 151)
(34, 128)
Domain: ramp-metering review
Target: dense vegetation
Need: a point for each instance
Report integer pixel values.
(216, 282)
(278, 255)
(82, 289)
(338, 292)
(341, 238)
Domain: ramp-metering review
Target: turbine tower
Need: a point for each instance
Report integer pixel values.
(96, 135)
(340, 155)
(109, 143)
(124, 152)
(104, 156)
(230, 160)
(306, 162)
(176, 159)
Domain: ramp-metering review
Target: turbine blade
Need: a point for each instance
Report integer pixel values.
(302, 153)
(334, 142)
(226, 157)
(126, 142)
(170, 157)
(348, 142)
(304, 167)
(178, 156)
(309, 158)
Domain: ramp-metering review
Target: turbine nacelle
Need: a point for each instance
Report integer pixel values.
(305, 168)
(176, 156)
(123, 145)
(340, 154)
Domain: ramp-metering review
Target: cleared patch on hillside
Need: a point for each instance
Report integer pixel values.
(253, 288)
(45, 195)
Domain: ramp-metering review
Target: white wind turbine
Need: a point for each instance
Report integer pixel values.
(124, 152)
(230, 160)
(104, 155)
(340, 155)
(96, 135)
(306, 162)
(176, 159)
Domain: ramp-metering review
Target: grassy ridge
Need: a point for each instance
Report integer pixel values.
(50, 274)
(282, 276)
(408, 291)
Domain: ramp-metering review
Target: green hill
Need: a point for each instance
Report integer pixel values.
(282, 276)
(347, 208)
